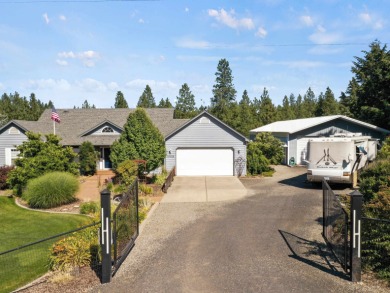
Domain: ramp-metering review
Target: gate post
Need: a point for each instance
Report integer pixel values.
(105, 235)
(355, 235)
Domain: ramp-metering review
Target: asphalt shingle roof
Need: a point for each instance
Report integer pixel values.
(76, 123)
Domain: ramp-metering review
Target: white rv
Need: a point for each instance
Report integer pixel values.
(338, 158)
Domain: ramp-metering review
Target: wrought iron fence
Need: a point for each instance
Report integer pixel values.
(23, 264)
(125, 225)
(376, 247)
(336, 226)
(168, 181)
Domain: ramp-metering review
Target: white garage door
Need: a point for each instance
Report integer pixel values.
(204, 162)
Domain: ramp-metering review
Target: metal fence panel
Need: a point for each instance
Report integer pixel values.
(23, 264)
(125, 225)
(336, 226)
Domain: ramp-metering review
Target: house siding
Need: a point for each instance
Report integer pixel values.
(212, 134)
(10, 141)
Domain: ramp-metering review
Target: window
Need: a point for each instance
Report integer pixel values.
(107, 129)
(204, 120)
(11, 155)
(13, 130)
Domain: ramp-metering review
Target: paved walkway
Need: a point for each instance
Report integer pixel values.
(205, 189)
(90, 187)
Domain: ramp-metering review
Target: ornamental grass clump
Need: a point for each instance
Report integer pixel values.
(51, 190)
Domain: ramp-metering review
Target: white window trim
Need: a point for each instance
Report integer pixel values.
(12, 128)
(9, 155)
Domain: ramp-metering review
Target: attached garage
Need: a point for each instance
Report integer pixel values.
(205, 146)
(204, 162)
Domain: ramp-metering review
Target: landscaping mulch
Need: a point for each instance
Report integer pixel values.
(64, 283)
(72, 208)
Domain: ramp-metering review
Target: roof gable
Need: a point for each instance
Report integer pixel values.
(207, 115)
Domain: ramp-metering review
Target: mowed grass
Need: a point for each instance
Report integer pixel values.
(19, 227)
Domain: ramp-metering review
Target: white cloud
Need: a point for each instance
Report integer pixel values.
(155, 85)
(91, 85)
(365, 17)
(186, 9)
(307, 20)
(43, 84)
(192, 44)
(62, 62)
(141, 20)
(46, 18)
(62, 17)
(322, 37)
(112, 85)
(230, 20)
(261, 32)
(88, 58)
(371, 20)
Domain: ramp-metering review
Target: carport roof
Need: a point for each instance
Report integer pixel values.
(292, 126)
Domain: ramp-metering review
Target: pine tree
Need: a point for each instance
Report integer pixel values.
(185, 103)
(146, 100)
(265, 109)
(224, 93)
(348, 100)
(245, 119)
(309, 104)
(120, 101)
(327, 104)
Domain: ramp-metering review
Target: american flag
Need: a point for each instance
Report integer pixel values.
(54, 115)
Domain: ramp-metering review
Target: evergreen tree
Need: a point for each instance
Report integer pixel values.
(38, 157)
(87, 105)
(287, 111)
(165, 103)
(13, 106)
(146, 100)
(265, 109)
(372, 73)
(327, 104)
(224, 93)
(185, 103)
(140, 139)
(298, 107)
(87, 158)
(245, 119)
(348, 100)
(309, 104)
(120, 101)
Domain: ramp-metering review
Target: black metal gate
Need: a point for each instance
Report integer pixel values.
(125, 225)
(336, 227)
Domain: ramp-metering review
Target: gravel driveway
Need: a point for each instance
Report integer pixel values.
(269, 241)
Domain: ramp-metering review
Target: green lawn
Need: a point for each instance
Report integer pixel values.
(19, 227)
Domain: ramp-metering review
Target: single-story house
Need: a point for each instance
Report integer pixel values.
(103, 126)
(295, 134)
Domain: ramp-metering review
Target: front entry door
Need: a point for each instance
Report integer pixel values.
(106, 158)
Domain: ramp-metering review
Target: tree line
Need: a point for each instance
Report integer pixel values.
(367, 98)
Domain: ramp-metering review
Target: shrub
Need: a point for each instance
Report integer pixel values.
(38, 157)
(127, 172)
(145, 189)
(88, 158)
(374, 177)
(270, 146)
(87, 208)
(159, 179)
(257, 163)
(78, 250)
(384, 152)
(4, 176)
(51, 190)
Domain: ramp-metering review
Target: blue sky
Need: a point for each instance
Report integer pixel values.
(72, 51)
